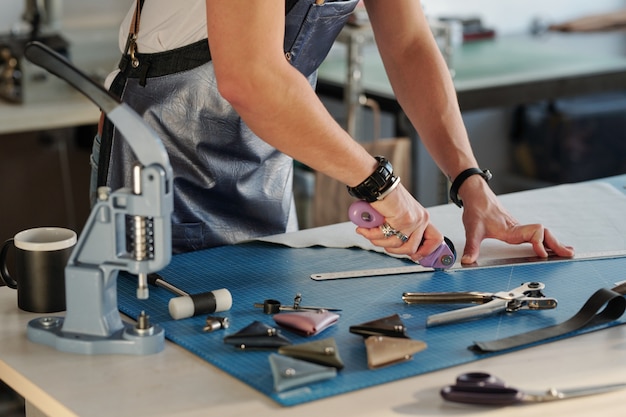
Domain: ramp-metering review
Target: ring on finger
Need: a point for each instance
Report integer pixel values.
(402, 236)
(388, 231)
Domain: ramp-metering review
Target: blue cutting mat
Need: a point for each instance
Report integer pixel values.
(257, 271)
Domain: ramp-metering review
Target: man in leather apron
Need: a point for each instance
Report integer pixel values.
(232, 114)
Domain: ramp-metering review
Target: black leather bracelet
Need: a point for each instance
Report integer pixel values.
(460, 179)
(378, 185)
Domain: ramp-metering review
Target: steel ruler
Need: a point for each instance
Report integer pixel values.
(480, 264)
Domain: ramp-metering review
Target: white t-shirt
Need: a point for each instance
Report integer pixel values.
(164, 25)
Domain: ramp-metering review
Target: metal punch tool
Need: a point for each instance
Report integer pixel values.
(271, 306)
(128, 230)
(528, 296)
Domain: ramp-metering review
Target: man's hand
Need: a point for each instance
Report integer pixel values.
(484, 217)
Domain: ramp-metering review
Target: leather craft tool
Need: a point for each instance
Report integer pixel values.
(189, 305)
(363, 214)
(216, 323)
(271, 306)
(485, 389)
(480, 264)
(127, 230)
(527, 296)
(605, 305)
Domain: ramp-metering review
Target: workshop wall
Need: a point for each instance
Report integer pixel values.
(486, 127)
(510, 16)
(76, 13)
(46, 174)
(489, 129)
(516, 16)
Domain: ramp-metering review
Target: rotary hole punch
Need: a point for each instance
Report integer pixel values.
(127, 230)
(528, 296)
(363, 214)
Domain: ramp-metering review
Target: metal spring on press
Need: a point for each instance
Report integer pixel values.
(141, 237)
(141, 248)
(141, 227)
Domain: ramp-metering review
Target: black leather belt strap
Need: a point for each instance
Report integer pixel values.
(167, 62)
(587, 316)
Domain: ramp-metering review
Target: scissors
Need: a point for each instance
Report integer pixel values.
(363, 214)
(485, 389)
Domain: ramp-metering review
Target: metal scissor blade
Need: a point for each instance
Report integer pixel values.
(469, 313)
(554, 394)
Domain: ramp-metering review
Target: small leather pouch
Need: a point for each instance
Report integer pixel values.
(322, 352)
(306, 323)
(257, 335)
(384, 350)
(391, 326)
(291, 373)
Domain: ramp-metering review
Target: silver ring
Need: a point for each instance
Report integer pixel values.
(387, 230)
(402, 237)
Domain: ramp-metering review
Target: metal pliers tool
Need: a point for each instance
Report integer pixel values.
(528, 296)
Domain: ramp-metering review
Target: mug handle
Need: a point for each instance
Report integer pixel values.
(4, 272)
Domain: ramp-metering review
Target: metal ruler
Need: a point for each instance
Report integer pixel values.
(481, 264)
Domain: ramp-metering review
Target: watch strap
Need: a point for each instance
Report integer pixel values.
(378, 185)
(460, 179)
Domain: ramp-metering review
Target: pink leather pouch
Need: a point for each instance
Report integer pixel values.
(306, 323)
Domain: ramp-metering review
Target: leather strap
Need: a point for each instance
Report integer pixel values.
(131, 42)
(460, 179)
(378, 185)
(116, 89)
(587, 316)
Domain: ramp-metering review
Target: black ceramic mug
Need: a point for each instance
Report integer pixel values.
(40, 258)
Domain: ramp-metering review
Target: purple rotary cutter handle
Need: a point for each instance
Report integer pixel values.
(363, 214)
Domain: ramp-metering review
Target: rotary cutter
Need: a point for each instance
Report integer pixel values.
(363, 214)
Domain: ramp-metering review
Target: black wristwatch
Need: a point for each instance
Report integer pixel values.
(460, 179)
(378, 185)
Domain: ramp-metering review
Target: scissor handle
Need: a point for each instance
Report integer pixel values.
(479, 379)
(482, 395)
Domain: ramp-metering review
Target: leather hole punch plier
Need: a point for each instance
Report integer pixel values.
(528, 296)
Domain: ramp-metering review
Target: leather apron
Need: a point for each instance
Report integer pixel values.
(229, 185)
